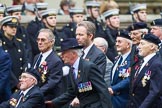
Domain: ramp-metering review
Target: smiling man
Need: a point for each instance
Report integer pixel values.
(29, 95)
(146, 87)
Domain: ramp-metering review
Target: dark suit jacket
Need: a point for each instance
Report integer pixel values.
(96, 56)
(51, 88)
(33, 99)
(120, 85)
(148, 95)
(88, 72)
(5, 71)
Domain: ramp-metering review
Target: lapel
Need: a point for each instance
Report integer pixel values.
(80, 71)
(35, 59)
(116, 59)
(27, 96)
(48, 59)
(125, 65)
(143, 71)
(90, 53)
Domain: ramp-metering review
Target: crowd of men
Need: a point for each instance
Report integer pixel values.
(89, 63)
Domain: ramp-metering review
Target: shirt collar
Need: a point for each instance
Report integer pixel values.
(148, 57)
(26, 91)
(44, 55)
(125, 55)
(76, 64)
(87, 50)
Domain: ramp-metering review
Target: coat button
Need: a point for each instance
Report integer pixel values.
(133, 94)
(20, 59)
(131, 104)
(6, 50)
(21, 68)
(19, 50)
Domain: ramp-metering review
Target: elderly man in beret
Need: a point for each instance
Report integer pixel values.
(136, 31)
(85, 79)
(156, 29)
(119, 88)
(29, 95)
(146, 87)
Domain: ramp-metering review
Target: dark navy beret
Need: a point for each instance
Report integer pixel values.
(124, 34)
(34, 73)
(136, 26)
(156, 22)
(151, 38)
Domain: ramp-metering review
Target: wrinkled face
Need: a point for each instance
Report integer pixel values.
(95, 12)
(157, 31)
(17, 14)
(142, 16)
(44, 43)
(122, 45)
(9, 31)
(144, 48)
(82, 37)
(113, 22)
(135, 36)
(77, 18)
(26, 81)
(67, 57)
(50, 21)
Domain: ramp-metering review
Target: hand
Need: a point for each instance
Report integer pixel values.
(49, 104)
(110, 91)
(75, 102)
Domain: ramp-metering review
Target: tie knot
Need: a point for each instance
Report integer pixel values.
(22, 94)
(82, 53)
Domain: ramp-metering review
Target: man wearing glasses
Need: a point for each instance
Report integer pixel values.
(29, 95)
(49, 65)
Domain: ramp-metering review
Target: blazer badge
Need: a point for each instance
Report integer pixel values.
(84, 87)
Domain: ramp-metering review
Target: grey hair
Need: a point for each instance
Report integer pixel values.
(102, 42)
(145, 30)
(78, 51)
(51, 35)
(90, 27)
(130, 41)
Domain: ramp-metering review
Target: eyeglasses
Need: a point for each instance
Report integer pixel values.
(24, 77)
(41, 39)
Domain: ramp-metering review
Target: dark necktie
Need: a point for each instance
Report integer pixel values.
(120, 61)
(118, 65)
(138, 71)
(82, 54)
(73, 72)
(38, 61)
(21, 97)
